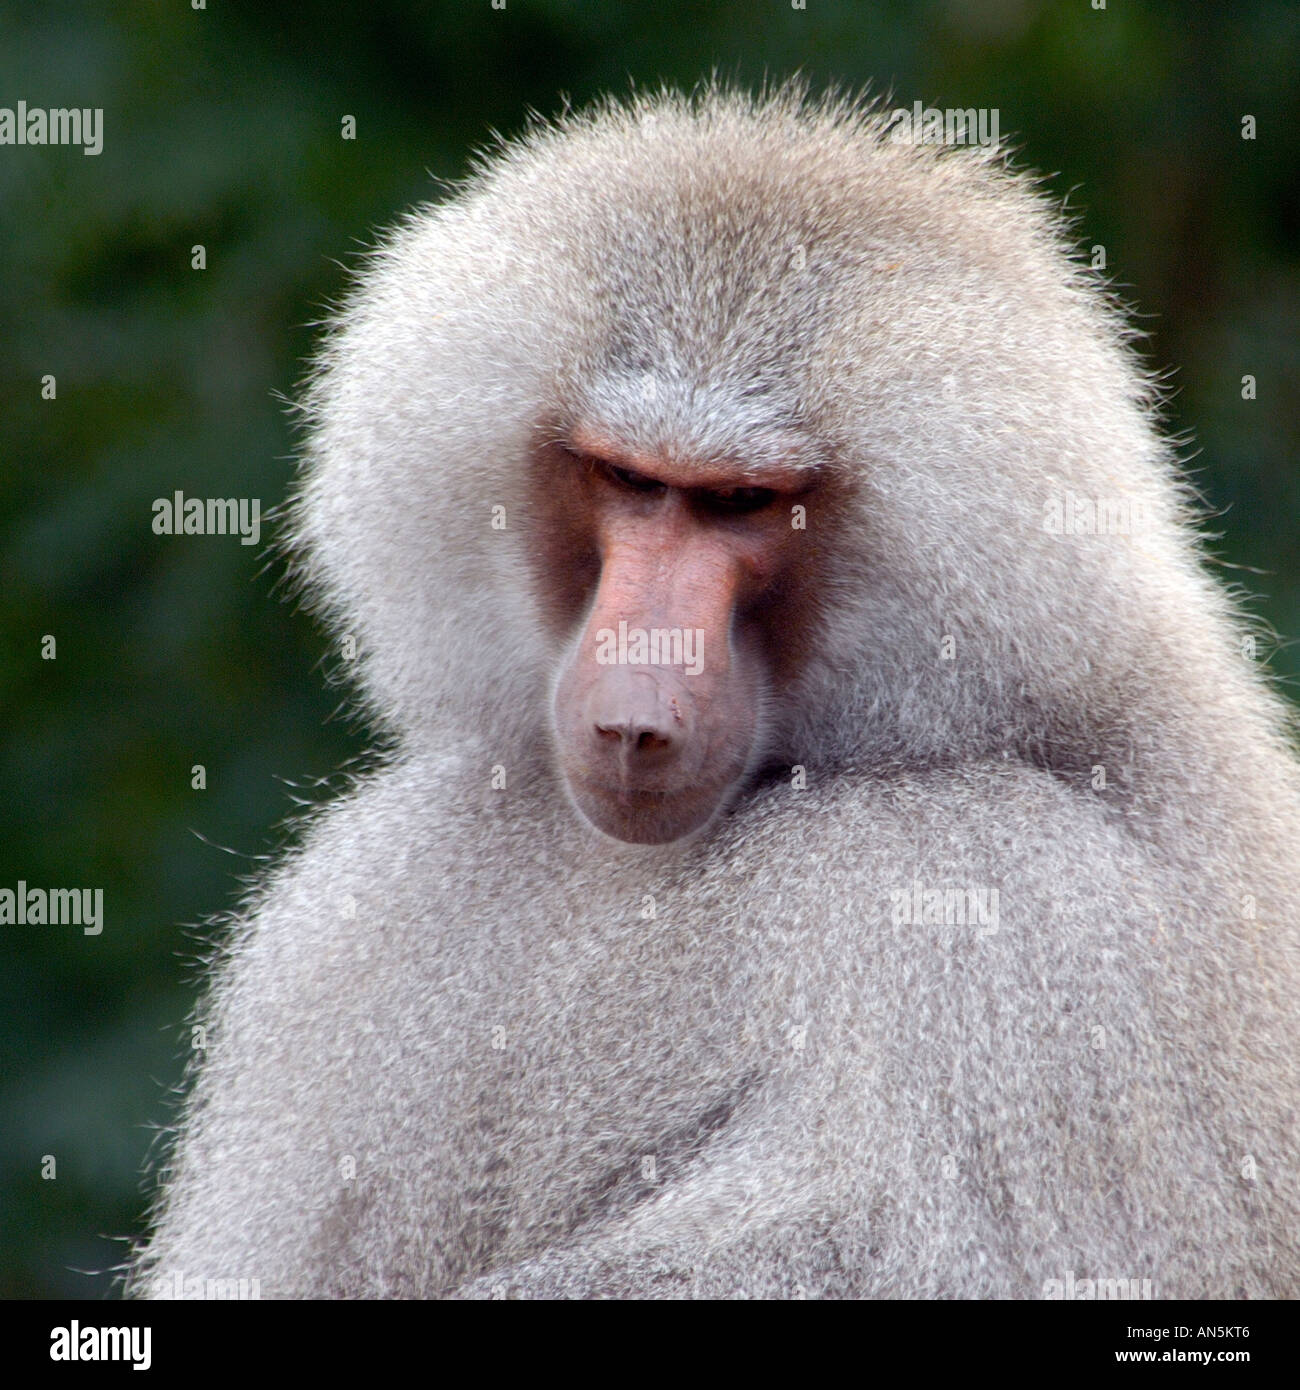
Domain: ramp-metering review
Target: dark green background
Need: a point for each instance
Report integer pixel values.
(222, 127)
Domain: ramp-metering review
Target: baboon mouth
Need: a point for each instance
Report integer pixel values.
(633, 797)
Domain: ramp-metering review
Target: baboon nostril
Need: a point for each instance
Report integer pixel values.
(635, 734)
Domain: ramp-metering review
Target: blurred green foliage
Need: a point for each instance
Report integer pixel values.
(222, 127)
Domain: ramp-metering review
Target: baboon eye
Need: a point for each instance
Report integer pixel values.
(629, 478)
(737, 500)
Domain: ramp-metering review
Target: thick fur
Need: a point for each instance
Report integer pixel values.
(461, 1044)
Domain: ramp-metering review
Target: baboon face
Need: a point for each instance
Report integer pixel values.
(674, 583)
